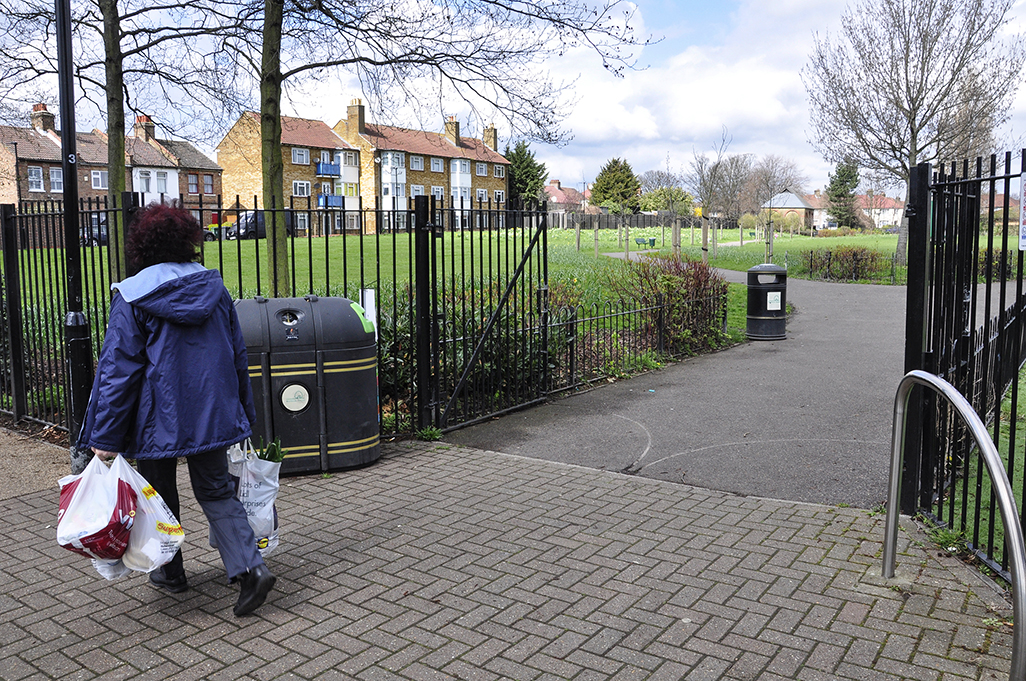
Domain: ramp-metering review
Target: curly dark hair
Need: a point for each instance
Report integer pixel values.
(163, 233)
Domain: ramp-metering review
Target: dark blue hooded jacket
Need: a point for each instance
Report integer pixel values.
(172, 378)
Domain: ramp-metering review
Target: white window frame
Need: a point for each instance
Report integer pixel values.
(352, 189)
(300, 188)
(144, 181)
(325, 157)
(500, 171)
(57, 180)
(437, 165)
(416, 163)
(438, 192)
(326, 188)
(302, 220)
(99, 179)
(300, 156)
(35, 179)
(162, 182)
(500, 196)
(482, 195)
(349, 158)
(482, 169)
(416, 190)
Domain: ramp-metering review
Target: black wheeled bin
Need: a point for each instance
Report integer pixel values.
(767, 302)
(313, 365)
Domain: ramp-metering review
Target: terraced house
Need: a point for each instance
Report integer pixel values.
(321, 171)
(332, 173)
(159, 169)
(399, 163)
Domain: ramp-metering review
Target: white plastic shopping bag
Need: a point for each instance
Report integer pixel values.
(96, 513)
(156, 535)
(257, 489)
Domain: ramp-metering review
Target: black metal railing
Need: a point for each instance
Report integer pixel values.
(491, 343)
(965, 325)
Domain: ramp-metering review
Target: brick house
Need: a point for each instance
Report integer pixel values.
(158, 169)
(30, 161)
(320, 169)
(398, 163)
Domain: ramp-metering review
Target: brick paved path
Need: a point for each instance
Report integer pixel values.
(441, 562)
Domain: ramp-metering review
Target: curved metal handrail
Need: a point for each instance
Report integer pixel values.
(1002, 490)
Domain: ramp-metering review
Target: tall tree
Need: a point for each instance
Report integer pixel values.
(129, 56)
(843, 202)
(617, 186)
(617, 189)
(527, 175)
(485, 55)
(898, 87)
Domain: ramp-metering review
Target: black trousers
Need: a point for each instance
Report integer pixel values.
(215, 493)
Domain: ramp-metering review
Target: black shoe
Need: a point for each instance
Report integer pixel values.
(175, 585)
(256, 584)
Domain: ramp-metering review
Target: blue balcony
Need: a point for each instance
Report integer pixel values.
(329, 170)
(330, 201)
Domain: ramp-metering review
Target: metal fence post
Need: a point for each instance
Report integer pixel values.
(422, 265)
(12, 303)
(917, 298)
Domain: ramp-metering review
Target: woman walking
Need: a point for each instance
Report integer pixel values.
(172, 381)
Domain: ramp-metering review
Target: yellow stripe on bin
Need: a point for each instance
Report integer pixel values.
(354, 445)
(354, 365)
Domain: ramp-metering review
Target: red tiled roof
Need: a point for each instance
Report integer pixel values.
(32, 144)
(143, 154)
(389, 138)
(999, 201)
(305, 132)
(560, 194)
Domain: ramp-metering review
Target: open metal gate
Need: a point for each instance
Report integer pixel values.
(481, 299)
(965, 324)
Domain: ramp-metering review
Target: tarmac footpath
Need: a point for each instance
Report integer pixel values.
(445, 562)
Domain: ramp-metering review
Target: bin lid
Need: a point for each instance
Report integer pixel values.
(768, 268)
(308, 323)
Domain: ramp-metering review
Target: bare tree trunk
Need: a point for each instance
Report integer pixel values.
(115, 131)
(270, 146)
(705, 240)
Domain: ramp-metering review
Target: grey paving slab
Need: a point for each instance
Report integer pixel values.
(445, 562)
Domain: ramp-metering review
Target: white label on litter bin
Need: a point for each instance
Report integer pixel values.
(295, 397)
(773, 300)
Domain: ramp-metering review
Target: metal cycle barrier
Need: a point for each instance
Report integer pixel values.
(1002, 490)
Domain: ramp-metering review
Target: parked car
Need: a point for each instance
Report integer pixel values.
(212, 233)
(251, 225)
(96, 233)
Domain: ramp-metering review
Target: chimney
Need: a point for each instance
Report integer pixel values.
(356, 122)
(491, 137)
(144, 128)
(452, 130)
(554, 183)
(42, 120)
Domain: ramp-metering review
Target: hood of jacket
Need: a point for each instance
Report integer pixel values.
(182, 293)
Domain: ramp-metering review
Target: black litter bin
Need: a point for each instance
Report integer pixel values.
(767, 302)
(313, 366)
